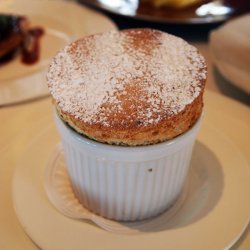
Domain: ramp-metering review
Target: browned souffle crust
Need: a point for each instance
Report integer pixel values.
(131, 87)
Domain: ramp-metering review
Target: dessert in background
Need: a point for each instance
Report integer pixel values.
(173, 3)
(18, 38)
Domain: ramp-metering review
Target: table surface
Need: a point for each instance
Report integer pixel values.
(21, 123)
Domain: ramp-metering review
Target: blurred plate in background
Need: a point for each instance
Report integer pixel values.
(229, 47)
(204, 12)
(62, 22)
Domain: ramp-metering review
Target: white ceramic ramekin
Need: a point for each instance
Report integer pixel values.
(126, 183)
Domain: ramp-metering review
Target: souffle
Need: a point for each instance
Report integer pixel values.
(131, 87)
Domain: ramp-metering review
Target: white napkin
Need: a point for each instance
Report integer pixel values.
(230, 51)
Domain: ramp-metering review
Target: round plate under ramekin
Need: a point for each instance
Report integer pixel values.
(212, 217)
(62, 22)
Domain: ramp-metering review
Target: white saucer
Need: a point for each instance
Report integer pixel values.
(63, 22)
(213, 216)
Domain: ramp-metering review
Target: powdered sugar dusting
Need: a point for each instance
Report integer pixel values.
(121, 76)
